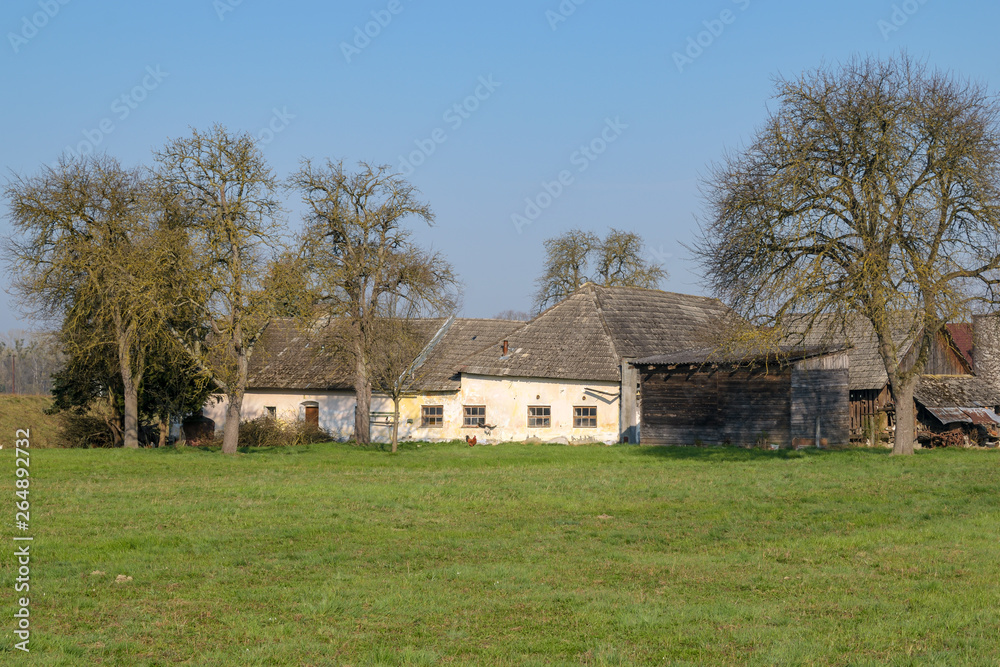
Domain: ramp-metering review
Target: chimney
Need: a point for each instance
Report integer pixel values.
(986, 348)
(505, 348)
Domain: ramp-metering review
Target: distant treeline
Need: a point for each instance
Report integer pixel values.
(27, 361)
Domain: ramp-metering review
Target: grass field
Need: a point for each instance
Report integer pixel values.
(515, 554)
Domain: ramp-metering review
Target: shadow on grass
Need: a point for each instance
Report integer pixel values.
(723, 454)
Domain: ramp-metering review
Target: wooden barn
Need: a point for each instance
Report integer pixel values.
(694, 397)
(871, 403)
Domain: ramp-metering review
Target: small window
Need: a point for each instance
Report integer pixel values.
(271, 411)
(539, 416)
(475, 415)
(432, 416)
(585, 417)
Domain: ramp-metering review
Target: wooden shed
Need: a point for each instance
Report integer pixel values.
(693, 397)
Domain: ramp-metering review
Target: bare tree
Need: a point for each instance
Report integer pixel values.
(620, 262)
(566, 261)
(872, 189)
(359, 257)
(394, 347)
(82, 255)
(227, 194)
(616, 261)
(514, 315)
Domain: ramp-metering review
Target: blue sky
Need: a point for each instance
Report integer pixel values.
(626, 102)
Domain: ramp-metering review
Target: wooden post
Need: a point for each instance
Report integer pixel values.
(628, 420)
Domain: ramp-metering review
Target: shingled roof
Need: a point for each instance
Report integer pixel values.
(867, 371)
(955, 391)
(288, 357)
(462, 338)
(586, 336)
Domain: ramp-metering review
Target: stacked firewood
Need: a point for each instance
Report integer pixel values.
(953, 437)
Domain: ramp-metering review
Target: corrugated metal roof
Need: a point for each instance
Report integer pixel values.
(950, 415)
(982, 416)
(965, 415)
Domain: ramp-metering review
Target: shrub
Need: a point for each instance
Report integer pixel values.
(84, 430)
(265, 431)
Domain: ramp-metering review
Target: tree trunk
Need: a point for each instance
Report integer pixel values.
(164, 430)
(234, 410)
(363, 396)
(114, 422)
(131, 435)
(905, 417)
(395, 423)
(362, 412)
(130, 383)
(231, 432)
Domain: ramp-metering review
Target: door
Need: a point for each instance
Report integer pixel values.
(312, 415)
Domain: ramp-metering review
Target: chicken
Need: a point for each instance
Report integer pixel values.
(471, 441)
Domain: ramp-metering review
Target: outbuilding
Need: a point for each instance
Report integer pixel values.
(784, 398)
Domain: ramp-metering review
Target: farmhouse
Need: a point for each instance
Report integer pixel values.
(558, 378)
(306, 376)
(608, 362)
(566, 377)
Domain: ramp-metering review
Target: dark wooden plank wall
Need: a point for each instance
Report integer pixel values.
(715, 406)
(825, 394)
(677, 407)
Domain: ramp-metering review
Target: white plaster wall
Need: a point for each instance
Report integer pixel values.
(336, 409)
(506, 401)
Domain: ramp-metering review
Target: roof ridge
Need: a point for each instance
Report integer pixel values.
(421, 357)
(490, 319)
(607, 329)
(656, 289)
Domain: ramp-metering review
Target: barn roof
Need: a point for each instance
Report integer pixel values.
(867, 371)
(287, 357)
(961, 334)
(716, 355)
(462, 337)
(955, 391)
(587, 335)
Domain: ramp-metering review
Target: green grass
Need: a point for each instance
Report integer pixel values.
(516, 554)
(28, 411)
